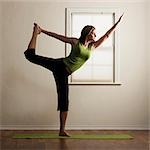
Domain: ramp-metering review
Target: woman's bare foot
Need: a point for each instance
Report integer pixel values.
(36, 29)
(64, 133)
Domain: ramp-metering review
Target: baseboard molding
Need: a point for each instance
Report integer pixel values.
(71, 127)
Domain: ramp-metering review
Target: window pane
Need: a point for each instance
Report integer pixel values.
(102, 57)
(103, 73)
(102, 21)
(94, 73)
(80, 20)
(83, 73)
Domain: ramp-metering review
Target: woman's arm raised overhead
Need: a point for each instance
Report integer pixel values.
(106, 35)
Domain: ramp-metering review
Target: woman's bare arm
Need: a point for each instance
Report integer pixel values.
(62, 38)
(106, 35)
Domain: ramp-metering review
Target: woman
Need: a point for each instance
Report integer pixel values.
(63, 67)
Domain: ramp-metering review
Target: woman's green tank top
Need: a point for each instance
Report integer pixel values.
(77, 57)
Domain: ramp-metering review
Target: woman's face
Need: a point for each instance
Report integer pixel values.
(92, 35)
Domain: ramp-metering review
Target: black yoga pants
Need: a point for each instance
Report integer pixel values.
(60, 73)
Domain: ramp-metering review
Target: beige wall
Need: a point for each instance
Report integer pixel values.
(28, 91)
(149, 57)
(0, 65)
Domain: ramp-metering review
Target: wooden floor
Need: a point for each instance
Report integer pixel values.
(140, 141)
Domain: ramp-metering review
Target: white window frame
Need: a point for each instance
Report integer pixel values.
(116, 53)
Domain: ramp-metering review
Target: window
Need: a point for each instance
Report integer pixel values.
(103, 65)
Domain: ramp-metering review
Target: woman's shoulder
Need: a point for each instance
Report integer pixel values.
(75, 41)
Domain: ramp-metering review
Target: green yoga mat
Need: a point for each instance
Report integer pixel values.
(75, 136)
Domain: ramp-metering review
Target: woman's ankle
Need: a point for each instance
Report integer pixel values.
(34, 34)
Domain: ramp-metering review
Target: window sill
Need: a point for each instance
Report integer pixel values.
(96, 83)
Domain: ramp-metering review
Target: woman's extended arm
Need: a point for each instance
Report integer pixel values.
(106, 35)
(59, 37)
(62, 38)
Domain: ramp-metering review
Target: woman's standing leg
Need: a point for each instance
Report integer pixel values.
(61, 79)
(63, 117)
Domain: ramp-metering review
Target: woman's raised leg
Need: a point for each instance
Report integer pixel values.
(30, 52)
(36, 31)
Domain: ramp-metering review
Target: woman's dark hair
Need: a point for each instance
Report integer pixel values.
(85, 31)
